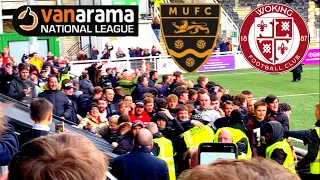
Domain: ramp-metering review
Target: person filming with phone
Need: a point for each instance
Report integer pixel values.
(22, 88)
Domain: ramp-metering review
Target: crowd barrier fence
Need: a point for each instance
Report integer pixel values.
(218, 61)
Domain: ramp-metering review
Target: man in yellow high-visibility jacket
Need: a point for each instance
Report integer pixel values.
(278, 148)
(313, 155)
(239, 138)
(162, 148)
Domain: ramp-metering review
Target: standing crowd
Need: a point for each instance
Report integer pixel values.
(155, 125)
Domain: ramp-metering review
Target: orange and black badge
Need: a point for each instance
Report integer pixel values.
(76, 20)
(190, 32)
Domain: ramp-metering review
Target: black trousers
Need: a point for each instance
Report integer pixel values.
(296, 76)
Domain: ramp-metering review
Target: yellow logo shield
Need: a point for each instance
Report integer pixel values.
(190, 32)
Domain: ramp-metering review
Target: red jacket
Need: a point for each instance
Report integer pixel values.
(144, 117)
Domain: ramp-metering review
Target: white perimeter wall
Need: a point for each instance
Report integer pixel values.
(165, 65)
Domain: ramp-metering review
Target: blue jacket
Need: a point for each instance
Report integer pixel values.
(61, 104)
(139, 164)
(9, 145)
(224, 47)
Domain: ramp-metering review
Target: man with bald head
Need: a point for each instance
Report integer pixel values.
(225, 136)
(140, 163)
(205, 110)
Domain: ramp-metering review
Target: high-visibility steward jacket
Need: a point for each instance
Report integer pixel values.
(166, 154)
(284, 145)
(237, 135)
(315, 166)
(195, 136)
(62, 77)
(41, 85)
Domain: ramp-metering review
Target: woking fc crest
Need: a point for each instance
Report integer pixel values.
(274, 38)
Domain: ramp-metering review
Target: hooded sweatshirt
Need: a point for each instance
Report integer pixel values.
(173, 128)
(236, 121)
(276, 129)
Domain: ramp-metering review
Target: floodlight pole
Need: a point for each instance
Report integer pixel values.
(1, 20)
(61, 38)
(33, 44)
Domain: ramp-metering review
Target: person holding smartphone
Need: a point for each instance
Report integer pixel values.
(22, 88)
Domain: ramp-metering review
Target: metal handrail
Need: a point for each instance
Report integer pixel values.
(73, 47)
(156, 12)
(140, 58)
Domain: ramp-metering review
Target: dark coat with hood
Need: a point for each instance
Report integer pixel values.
(16, 87)
(236, 121)
(276, 129)
(125, 144)
(279, 116)
(173, 128)
(62, 107)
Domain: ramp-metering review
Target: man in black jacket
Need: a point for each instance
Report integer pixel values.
(313, 149)
(296, 73)
(22, 88)
(140, 164)
(274, 112)
(61, 105)
(6, 75)
(126, 141)
(67, 88)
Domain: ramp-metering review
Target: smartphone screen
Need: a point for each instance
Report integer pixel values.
(59, 127)
(209, 152)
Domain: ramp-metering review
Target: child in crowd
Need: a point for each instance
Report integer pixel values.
(41, 114)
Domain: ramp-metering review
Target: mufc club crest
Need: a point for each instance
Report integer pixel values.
(274, 38)
(190, 32)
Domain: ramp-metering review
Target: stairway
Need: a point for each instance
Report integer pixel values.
(242, 11)
(163, 45)
(312, 14)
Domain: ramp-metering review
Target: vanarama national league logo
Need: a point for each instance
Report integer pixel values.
(274, 38)
(190, 32)
(30, 18)
(76, 20)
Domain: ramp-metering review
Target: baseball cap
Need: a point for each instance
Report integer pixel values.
(136, 123)
(67, 86)
(139, 104)
(92, 105)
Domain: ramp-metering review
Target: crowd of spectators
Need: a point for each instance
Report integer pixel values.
(155, 125)
(120, 53)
